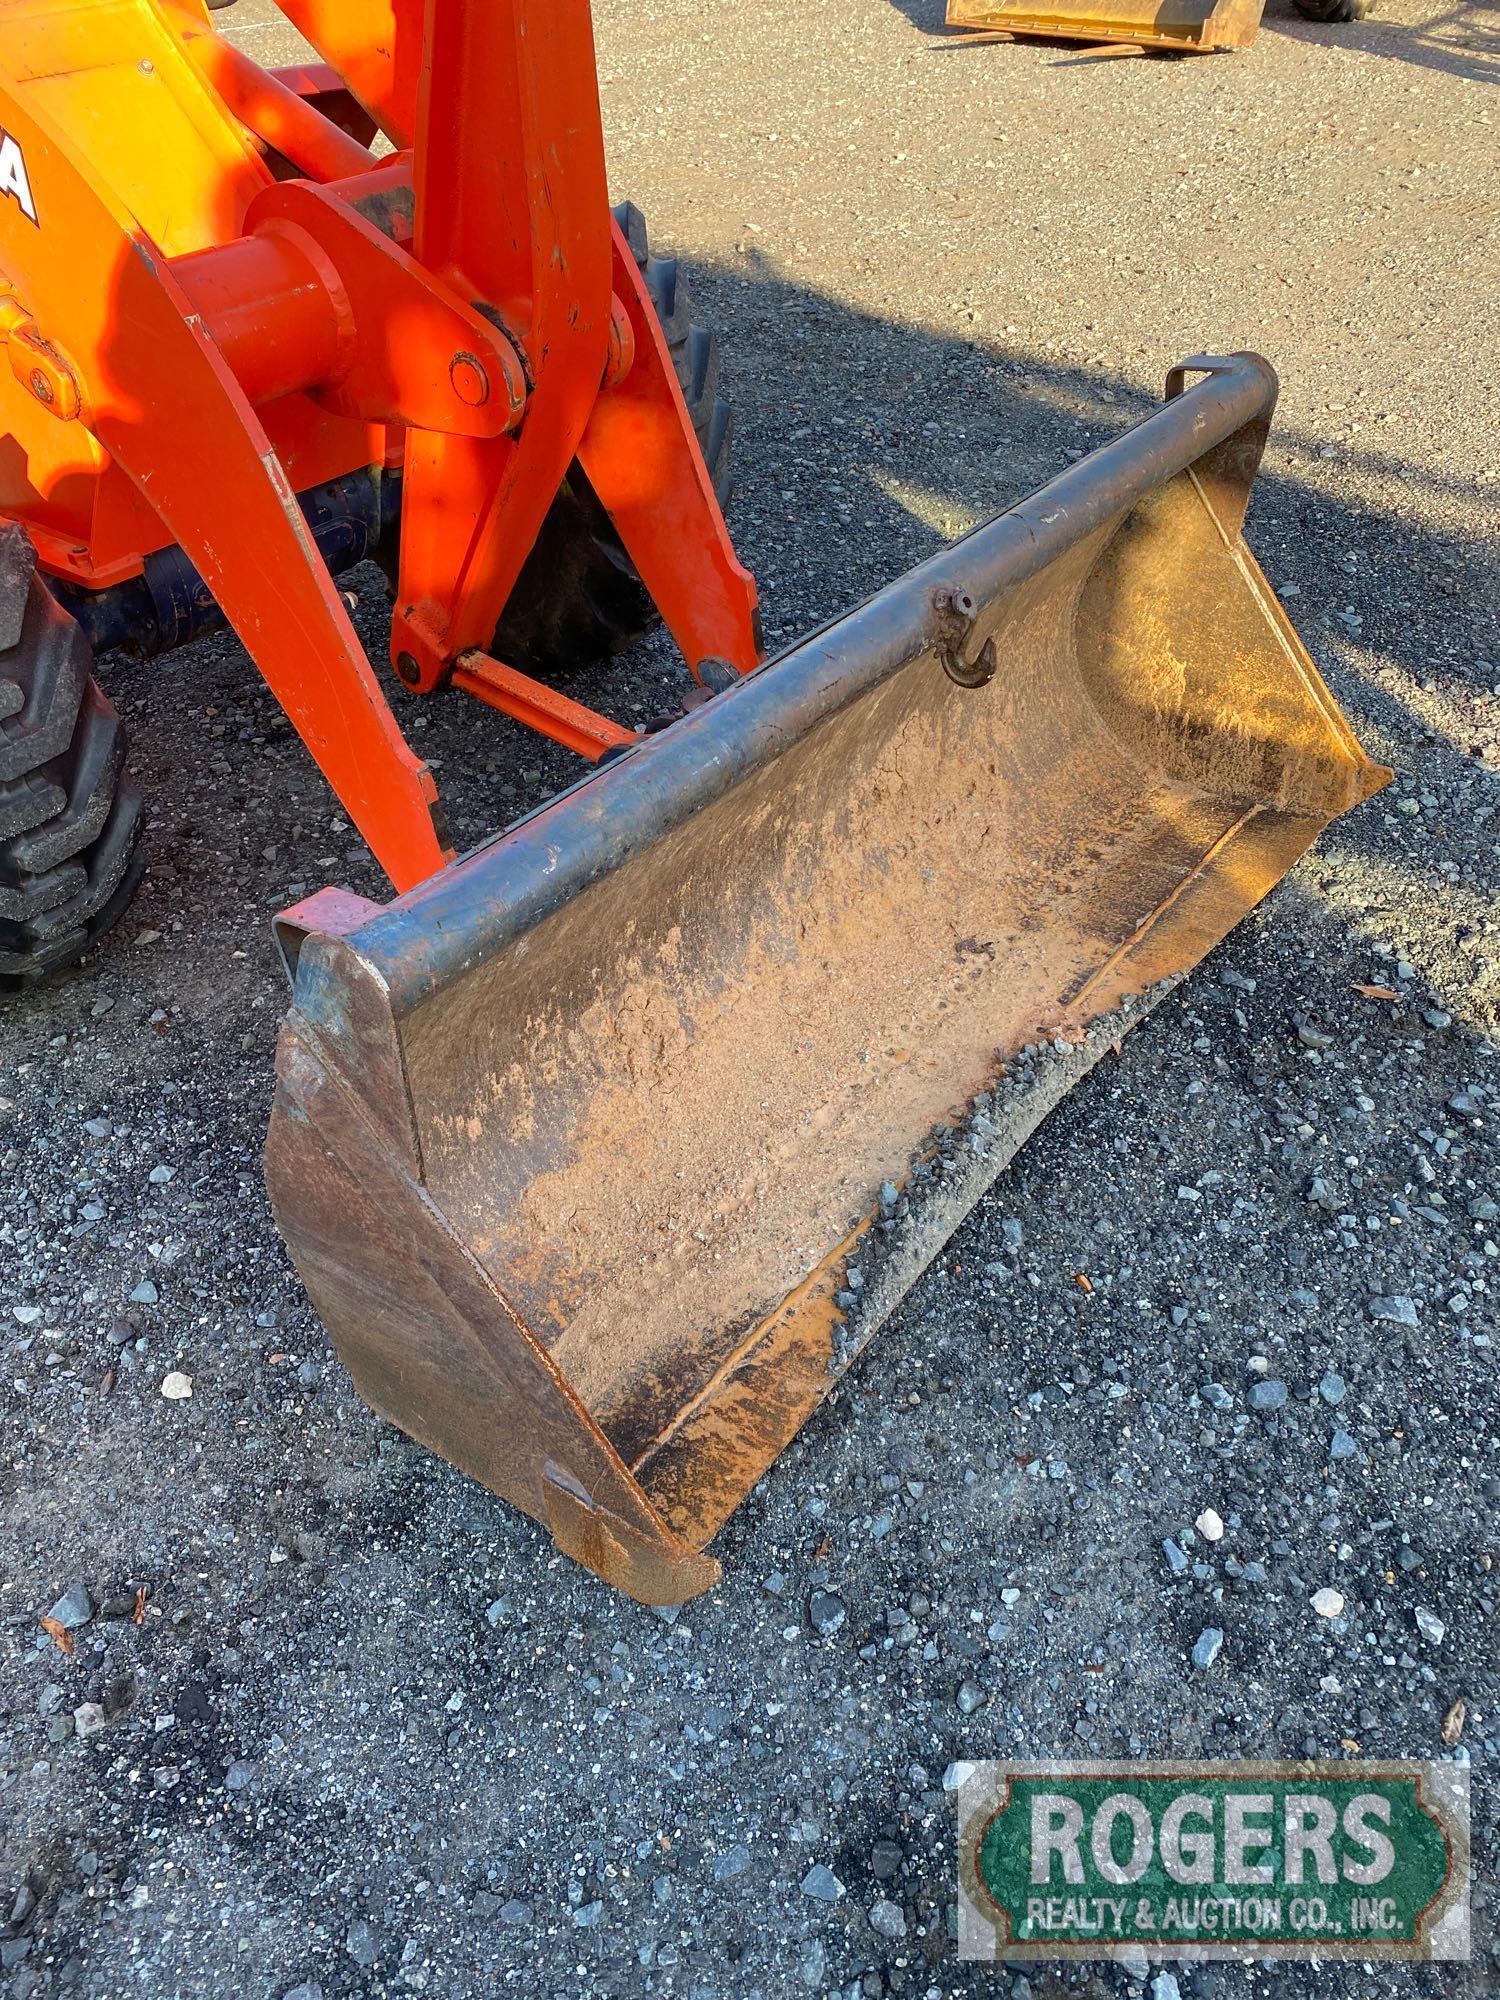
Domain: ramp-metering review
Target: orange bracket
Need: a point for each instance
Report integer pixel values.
(564, 281)
(376, 47)
(540, 708)
(162, 400)
(643, 461)
(272, 110)
(415, 352)
(511, 208)
(311, 296)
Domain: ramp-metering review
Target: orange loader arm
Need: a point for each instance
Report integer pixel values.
(463, 309)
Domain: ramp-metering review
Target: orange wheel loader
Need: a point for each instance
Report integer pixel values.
(604, 1148)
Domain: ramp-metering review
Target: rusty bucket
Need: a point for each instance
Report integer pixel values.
(604, 1152)
(1183, 25)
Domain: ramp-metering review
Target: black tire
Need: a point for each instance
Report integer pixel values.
(69, 811)
(1332, 10)
(578, 598)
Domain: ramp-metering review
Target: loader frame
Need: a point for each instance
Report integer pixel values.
(218, 297)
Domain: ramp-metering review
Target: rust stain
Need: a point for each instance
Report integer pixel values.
(59, 1634)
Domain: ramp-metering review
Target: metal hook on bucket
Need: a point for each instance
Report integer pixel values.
(956, 612)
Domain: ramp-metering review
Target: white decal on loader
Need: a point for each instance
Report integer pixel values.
(14, 179)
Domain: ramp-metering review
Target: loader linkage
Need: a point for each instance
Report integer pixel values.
(253, 292)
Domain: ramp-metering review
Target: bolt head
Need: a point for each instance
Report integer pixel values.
(470, 383)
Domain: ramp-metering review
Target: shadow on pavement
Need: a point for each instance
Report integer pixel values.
(1461, 40)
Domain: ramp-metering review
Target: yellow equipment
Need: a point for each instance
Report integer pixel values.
(1157, 24)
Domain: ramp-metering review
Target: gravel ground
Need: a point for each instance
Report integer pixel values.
(372, 1736)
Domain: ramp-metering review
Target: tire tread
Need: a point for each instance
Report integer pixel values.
(69, 812)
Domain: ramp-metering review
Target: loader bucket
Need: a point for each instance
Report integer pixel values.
(604, 1152)
(1155, 24)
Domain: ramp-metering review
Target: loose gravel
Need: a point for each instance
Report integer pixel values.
(317, 1717)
